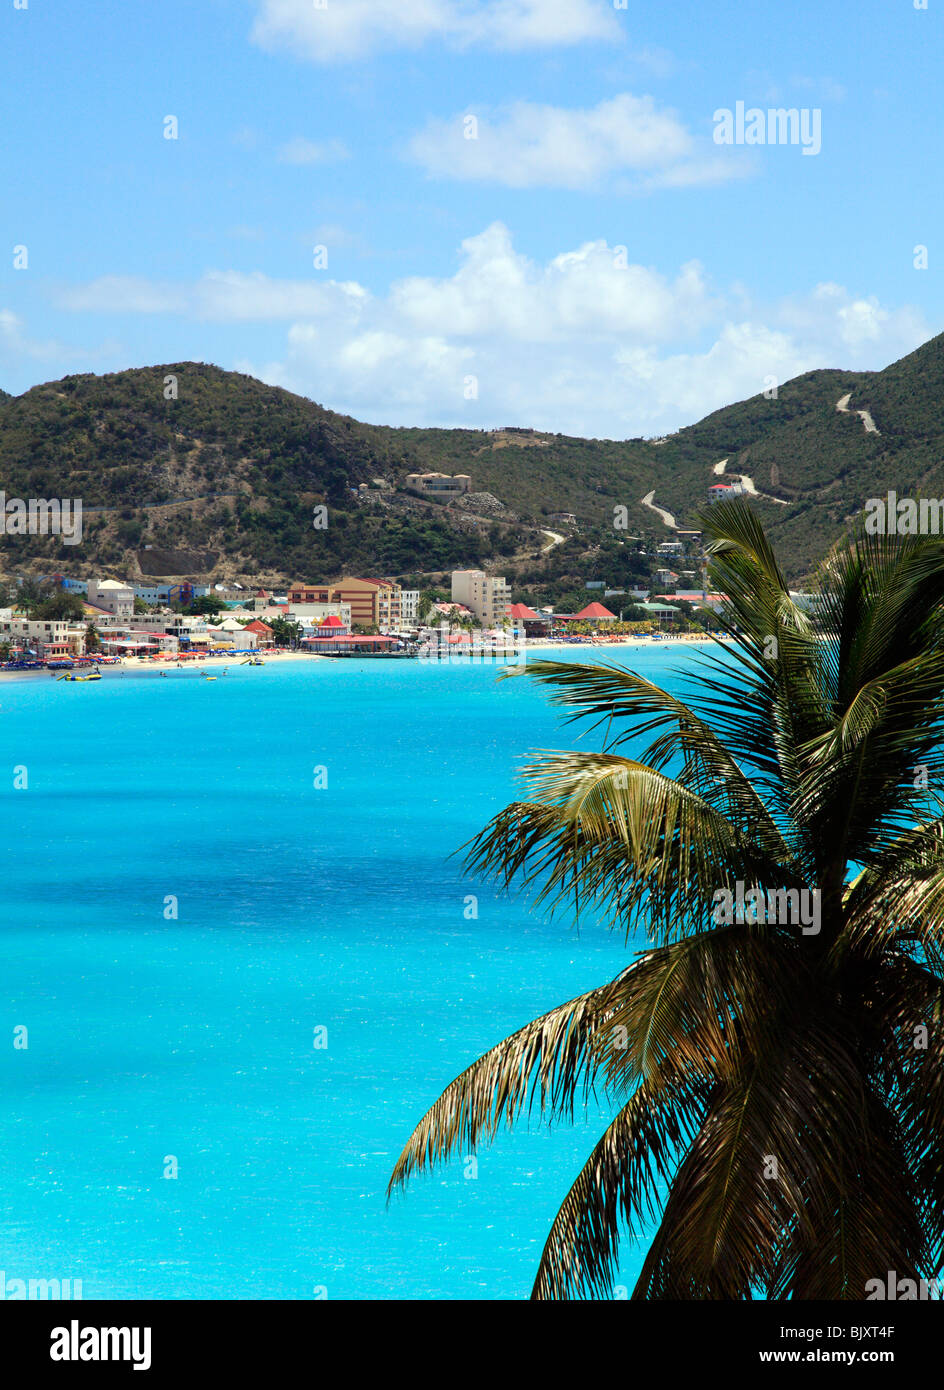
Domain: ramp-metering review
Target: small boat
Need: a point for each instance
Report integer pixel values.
(253, 661)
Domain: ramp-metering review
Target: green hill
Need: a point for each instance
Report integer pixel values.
(233, 468)
(230, 466)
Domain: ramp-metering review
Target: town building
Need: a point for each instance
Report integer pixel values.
(112, 595)
(135, 641)
(699, 597)
(313, 613)
(409, 607)
(666, 576)
(595, 612)
(263, 634)
(182, 593)
(660, 612)
(43, 637)
(373, 602)
(534, 624)
(71, 586)
(231, 634)
(453, 610)
(332, 626)
(488, 596)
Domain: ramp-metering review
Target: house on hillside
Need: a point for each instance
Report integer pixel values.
(440, 484)
(723, 492)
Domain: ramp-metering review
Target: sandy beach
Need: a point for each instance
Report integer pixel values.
(536, 644)
(610, 643)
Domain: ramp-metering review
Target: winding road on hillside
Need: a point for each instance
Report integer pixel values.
(556, 539)
(667, 517)
(747, 484)
(842, 405)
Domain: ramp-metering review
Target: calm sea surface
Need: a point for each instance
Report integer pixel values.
(298, 908)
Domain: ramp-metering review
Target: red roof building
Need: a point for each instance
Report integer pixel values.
(595, 610)
(262, 632)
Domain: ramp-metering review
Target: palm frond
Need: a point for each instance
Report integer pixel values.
(550, 1061)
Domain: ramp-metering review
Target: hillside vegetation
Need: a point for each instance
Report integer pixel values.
(234, 468)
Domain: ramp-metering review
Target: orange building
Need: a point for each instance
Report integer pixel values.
(374, 602)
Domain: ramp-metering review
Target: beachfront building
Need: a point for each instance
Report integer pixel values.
(373, 602)
(43, 637)
(135, 641)
(263, 634)
(440, 484)
(311, 614)
(487, 596)
(179, 626)
(595, 613)
(332, 626)
(534, 624)
(229, 634)
(409, 607)
(660, 613)
(115, 597)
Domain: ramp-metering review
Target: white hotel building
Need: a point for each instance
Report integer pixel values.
(487, 596)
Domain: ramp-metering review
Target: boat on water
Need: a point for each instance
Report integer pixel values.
(253, 661)
(92, 676)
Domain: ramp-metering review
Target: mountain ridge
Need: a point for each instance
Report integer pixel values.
(188, 456)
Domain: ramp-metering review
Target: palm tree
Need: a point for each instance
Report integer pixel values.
(778, 1090)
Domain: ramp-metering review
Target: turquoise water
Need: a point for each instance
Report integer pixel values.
(297, 907)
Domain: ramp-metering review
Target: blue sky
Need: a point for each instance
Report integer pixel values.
(591, 262)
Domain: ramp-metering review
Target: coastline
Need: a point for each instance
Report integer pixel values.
(533, 644)
(142, 663)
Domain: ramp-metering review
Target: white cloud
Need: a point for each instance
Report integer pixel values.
(302, 151)
(592, 291)
(125, 294)
(221, 296)
(859, 322)
(531, 146)
(25, 359)
(16, 342)
(342, 30)
(586, 343)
